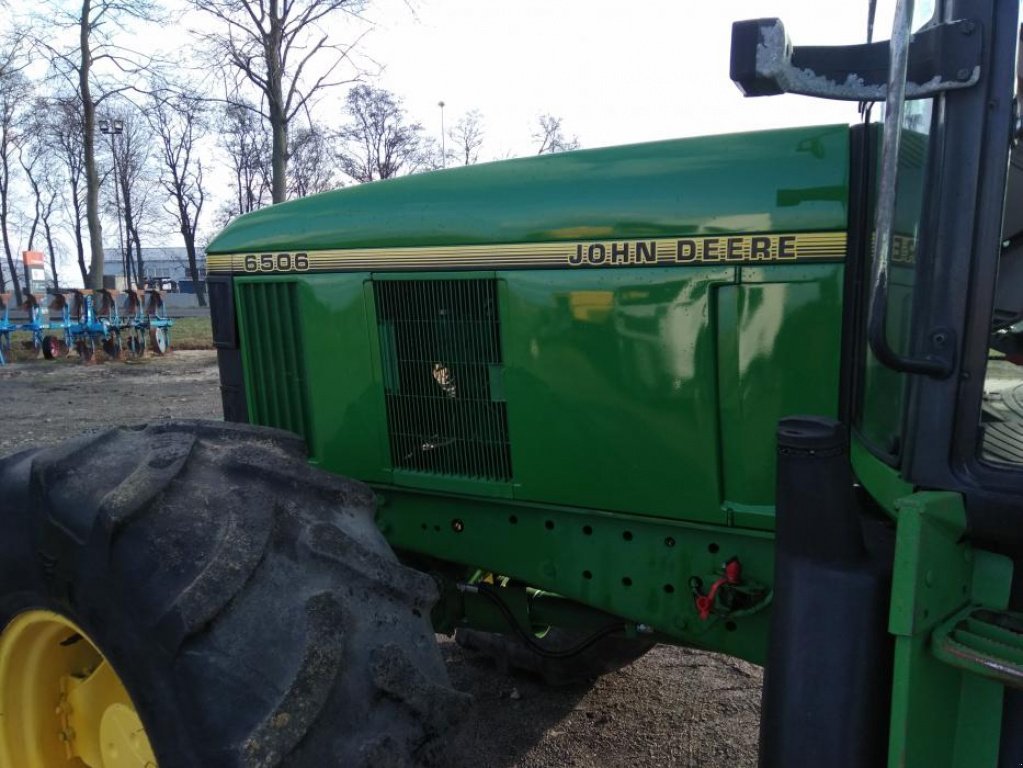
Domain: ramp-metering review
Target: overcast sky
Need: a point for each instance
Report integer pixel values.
(616, 72)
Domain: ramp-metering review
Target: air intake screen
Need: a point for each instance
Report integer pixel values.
(441, 353)
(272, 345)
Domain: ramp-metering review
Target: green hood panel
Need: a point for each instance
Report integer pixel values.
(792, 180)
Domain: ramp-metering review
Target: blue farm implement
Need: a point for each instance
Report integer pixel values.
(83, 330)
(106, 310)
(147, 316)
(88, 319)
(35, 324)
(37, 321)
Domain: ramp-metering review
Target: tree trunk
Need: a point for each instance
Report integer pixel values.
(5, 223)
(34, 184)
(279, 155)
(193, 267)
(80, 248)
(126, 266)
(53, 253)
(133, 234)
(76, 208)
(10, 259)
(188, 234)
(241, 191)
(91, 173)
(275, 103)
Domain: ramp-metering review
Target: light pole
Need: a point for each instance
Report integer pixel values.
(443, 143)
(113, 129)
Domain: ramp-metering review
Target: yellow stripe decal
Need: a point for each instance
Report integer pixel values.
(676, 251)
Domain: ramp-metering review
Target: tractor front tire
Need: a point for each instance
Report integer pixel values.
(246, 600)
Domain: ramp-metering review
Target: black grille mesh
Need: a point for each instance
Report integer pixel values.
(441, 355)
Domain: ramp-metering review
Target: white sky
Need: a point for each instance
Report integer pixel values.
(616, 72)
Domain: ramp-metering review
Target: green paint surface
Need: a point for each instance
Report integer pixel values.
(611, 389)
(942, 716)
(778, 346)
(339, 387)
(634, 567)
(882, 481)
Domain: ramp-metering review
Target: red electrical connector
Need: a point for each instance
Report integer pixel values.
(733, 575)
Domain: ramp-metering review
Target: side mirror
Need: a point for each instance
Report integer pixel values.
(764, 62)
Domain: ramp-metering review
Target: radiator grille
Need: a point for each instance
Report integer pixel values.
(272, 345)
(441, 353)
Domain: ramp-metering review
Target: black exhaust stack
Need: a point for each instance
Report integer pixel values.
(827, 682)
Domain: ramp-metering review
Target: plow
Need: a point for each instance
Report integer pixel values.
(34, 324)
(84, 320)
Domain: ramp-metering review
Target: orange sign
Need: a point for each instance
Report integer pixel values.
(33, 258)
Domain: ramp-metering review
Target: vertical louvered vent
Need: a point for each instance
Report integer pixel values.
(272, 346)
(441, 353)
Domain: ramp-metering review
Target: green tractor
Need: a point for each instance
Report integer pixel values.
(749, 393)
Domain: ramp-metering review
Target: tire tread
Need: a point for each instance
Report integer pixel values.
(247, 599)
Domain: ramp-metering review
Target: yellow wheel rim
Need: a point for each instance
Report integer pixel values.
(61, 702)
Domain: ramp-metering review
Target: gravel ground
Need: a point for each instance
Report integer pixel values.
(673, 707)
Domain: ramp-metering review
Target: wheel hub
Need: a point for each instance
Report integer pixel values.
(61, 702)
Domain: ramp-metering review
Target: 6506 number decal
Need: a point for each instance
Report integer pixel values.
(277, 262)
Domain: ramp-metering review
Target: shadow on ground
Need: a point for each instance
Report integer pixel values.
(673, 707)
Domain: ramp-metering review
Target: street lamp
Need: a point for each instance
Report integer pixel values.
(111, 127)
(114, 128)
(443, 145)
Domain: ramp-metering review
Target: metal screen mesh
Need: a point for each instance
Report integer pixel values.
(272, 342)
(441, 354)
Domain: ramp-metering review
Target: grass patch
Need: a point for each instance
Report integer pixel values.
(192, 333)
(22, 350)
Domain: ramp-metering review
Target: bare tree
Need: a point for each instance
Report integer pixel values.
(49, 208)
(90, 68)
(378, 143)
(550, 136)
(30, 160)
(467, 138)
(283, 50)
(247, 145)
(65, 139)
(15, 91)
(180, 126)
(45, 180)
(311, 168)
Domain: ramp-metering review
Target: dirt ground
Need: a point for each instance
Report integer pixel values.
(674, 707)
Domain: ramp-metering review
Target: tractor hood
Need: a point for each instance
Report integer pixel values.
(790, 180)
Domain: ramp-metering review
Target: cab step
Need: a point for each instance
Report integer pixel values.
(985, 642)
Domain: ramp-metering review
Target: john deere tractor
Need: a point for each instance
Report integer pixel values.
(750, 393)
